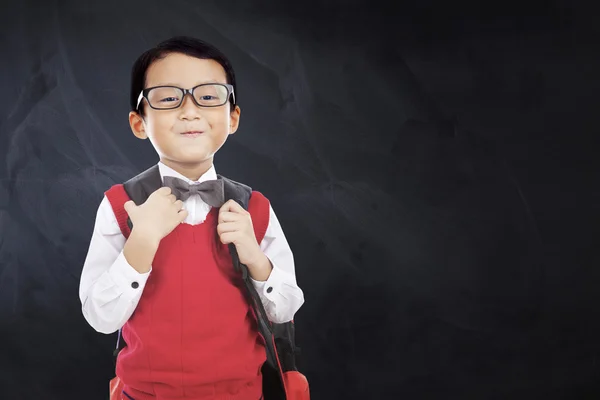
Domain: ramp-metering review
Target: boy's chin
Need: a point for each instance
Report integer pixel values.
(191, 159)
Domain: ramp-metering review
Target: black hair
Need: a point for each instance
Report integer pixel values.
(180, 44)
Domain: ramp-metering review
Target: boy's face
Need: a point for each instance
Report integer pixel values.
(167, 129)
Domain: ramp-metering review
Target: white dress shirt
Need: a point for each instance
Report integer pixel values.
(108, 298)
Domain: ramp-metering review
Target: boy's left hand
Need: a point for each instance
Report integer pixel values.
(235, 226)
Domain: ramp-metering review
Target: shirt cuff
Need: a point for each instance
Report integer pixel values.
(270, 288)
(129, 281)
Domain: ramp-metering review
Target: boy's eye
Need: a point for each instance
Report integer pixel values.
(169, 99)
(210, 94)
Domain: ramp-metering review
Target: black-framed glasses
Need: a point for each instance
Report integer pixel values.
(170, 97)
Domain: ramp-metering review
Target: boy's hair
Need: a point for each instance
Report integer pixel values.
(180, 44)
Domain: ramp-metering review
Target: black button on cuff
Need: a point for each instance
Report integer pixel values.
(135, 285)
(269, 289)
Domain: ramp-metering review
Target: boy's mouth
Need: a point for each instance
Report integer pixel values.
(192, 133)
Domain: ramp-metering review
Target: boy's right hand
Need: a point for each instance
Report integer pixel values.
(158, 215)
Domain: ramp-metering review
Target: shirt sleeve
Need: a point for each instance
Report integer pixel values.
(110, 288)
(280, 294)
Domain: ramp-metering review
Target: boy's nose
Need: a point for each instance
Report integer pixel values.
(189, 109)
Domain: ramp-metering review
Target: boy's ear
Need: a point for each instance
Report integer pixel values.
(136, 122)
(234, 120)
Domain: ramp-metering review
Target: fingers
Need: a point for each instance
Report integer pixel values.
(232, 206)
(231, 211)
(129, 206)
(178, 207)
(164, 190)
(182, 215)
(228, 227)
(228, 216)
(227, 238)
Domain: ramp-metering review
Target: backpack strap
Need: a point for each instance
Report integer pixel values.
(141, 186)
(255, 203)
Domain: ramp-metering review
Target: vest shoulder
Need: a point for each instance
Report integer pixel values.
(114, 188)
(258, 195)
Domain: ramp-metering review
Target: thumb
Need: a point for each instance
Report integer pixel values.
(129, 206)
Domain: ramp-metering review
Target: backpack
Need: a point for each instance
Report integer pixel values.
(281, 378)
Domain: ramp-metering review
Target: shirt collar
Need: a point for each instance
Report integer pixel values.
(164, 170)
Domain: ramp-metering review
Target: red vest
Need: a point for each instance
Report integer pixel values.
(192, 334)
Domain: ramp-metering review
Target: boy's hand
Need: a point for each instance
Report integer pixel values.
(235, 226)
(158, 216)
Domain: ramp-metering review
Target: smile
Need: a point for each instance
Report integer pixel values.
(192, 133)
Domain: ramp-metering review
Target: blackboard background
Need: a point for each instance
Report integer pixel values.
(433, 165)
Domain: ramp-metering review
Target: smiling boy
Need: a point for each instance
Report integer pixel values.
(168, 282)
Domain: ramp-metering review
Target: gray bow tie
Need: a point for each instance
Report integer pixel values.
(210, 191)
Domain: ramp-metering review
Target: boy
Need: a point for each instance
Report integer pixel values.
(170, 285)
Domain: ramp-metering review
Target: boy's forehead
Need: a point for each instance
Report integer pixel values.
(186, 71)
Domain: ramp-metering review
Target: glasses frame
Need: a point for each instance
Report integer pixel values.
(144, 95)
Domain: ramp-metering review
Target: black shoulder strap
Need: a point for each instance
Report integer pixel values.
(236, 191)
(141, 186)
(242, 193)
